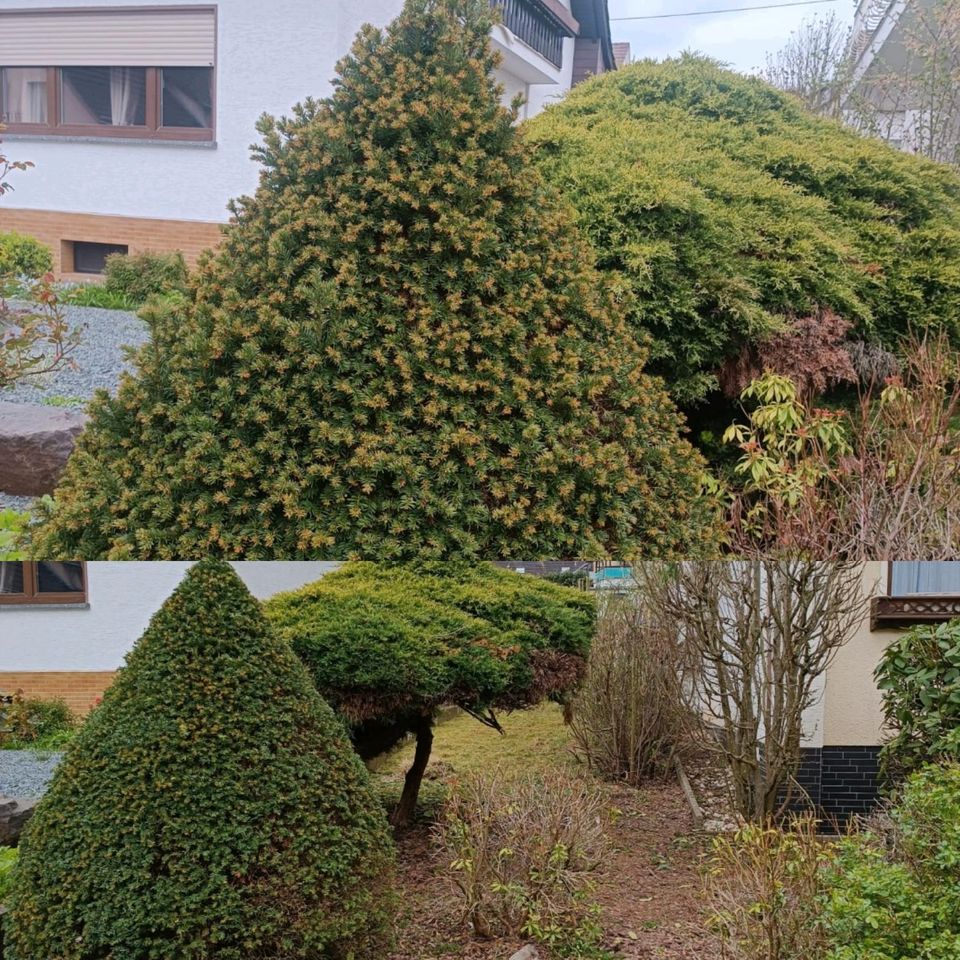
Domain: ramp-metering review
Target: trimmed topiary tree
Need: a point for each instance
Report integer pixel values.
(390, 645)
(211, 807)
(734, 215)
(399, 350)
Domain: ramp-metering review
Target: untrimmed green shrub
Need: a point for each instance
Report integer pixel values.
(139, 276)
(23, 256)
(389, 645)
(399, 350)
(42, 724)
(919, 675)
(897, 897)
(210, 808)
(730, 212)
(523, 855)
(764, 884)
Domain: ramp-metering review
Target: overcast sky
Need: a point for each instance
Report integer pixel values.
(741, 39)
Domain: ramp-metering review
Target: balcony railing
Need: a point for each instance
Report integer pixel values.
(536, 26)
(912, 610)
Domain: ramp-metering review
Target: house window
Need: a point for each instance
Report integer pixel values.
(921, 591)
(912, 577)
(42, 582)
(92, 257)
(103, 96)
(152, 103)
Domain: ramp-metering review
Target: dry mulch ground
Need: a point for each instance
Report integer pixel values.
(650, 890)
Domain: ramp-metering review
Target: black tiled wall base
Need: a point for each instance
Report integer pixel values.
(840, 781)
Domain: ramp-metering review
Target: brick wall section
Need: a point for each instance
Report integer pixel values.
(841, 782)
(56, 230)
(77, 690)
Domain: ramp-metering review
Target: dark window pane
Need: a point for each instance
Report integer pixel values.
(187, 94)
(59, 577)
(104, 96)
(92, 257)
(11, 577)
(24, 94)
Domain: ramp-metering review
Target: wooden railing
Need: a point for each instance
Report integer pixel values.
(911, 610)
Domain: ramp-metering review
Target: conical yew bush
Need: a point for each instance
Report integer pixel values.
(211, 808)
(400, 349)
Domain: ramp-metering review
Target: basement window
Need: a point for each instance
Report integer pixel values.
(43, 582)
(92, 257)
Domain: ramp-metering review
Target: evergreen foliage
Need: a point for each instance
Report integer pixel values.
(730, 212)
(388, 645)
(399, 350)
(211, 807)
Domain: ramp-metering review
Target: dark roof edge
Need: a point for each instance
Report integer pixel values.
(594, 17)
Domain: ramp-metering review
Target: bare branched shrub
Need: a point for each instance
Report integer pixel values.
(763, 633)
(523, 854)
(630, 717)
(763, 886)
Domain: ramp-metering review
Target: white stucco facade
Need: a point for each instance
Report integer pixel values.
(121, 599)
(269, 56)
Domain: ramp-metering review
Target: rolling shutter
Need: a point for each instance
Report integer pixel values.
(104, 37)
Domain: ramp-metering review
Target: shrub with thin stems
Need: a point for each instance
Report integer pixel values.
(630, 718)
(523, 854)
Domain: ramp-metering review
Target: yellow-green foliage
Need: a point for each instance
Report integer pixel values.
(387, 642)
(210, 809)
(23, 256)
(727, 210)
(399, 350)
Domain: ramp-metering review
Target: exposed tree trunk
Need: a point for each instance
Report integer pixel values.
(402, 815)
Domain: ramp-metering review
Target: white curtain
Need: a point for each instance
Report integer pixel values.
(925, 576)
(25, 94)
(122, 100)
(11, 577)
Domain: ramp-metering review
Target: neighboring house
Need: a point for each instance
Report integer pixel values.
(139, 116)
(66, 627)
(898, 90)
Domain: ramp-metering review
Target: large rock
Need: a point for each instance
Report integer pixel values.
(35, 442)
(14, 815)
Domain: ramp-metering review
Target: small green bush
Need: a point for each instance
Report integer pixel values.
(210, 808)
(33, 723)
(919, 675)
(523, 854)
(139, 276)
(23, 256)
(897, 897)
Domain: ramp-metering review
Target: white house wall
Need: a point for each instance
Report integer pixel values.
(270, 55)
(121, 599)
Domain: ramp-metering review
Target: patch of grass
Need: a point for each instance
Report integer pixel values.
(57, 400)
(13, 523)
(95, 295)
(533, 741)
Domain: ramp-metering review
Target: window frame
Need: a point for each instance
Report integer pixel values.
(31, 596)
(152, 129)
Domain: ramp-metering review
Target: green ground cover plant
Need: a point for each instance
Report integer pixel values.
(894, 894)
(400, 350)
(392, 645)
(210, 807)
(738, 219)
(136, 277)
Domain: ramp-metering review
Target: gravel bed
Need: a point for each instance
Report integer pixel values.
(99, 359)
(9, 502)
(26, 773)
